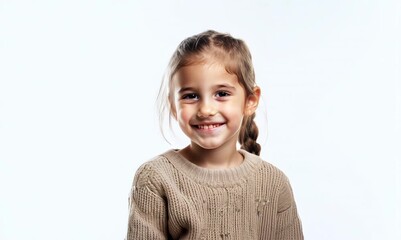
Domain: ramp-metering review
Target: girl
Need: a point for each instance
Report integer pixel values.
(210, 189)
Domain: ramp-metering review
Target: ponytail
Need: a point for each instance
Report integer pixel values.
(248, 134)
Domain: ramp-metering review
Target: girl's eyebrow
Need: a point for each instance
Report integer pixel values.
(232, 88)
(184, 89)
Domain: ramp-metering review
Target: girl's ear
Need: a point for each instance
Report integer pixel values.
(252, 101)
(171, 106)
(173, 110)
(174, 114)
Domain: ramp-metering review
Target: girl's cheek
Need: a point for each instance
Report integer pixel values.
(184, 114)
(231, 107)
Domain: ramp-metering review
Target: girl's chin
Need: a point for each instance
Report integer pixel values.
(208, 145)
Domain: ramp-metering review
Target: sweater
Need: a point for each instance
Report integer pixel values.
(172, 198)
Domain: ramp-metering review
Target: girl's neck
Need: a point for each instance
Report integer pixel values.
(218, 158)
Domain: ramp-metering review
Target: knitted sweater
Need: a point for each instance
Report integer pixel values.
(172, 198)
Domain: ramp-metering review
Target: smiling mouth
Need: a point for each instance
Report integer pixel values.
(208, 126)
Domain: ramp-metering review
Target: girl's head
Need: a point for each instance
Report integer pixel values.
(232, 58)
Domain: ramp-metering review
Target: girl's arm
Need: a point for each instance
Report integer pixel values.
(147, 210)
(288, 222)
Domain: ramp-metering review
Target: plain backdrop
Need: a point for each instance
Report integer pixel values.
(79, 80)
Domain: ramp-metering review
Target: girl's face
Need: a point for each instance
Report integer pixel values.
(210, 104)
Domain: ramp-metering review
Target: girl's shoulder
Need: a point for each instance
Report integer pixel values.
(272, 170)
(152, 167)
(151, 174)
(265, 167)
(269, 175)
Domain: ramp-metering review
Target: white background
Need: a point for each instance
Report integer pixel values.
(79, 79)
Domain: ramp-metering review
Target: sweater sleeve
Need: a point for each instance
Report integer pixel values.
(147, 209)
(288, 222)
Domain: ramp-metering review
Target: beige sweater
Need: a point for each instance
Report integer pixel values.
(172, 198)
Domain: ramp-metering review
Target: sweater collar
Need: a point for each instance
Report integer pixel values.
(215, 177)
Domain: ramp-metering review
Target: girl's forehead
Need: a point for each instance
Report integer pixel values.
(206, 73)
(207, 56)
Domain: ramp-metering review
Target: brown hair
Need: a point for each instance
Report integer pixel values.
(237, 60)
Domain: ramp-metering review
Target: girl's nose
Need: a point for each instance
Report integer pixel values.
(206, 109)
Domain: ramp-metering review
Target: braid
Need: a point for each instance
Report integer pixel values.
(248, 134)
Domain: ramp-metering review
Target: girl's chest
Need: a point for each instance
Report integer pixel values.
(227, 213)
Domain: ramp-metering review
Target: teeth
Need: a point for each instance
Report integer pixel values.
(208, 126)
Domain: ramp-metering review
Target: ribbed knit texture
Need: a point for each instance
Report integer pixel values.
(172, 198)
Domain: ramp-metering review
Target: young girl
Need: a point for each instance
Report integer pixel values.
(210, 189)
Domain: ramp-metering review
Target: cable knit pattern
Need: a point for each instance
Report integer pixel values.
(172, 198)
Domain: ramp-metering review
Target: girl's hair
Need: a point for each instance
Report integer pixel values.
(234, 55)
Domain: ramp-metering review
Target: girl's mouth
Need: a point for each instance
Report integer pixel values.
(208, 126)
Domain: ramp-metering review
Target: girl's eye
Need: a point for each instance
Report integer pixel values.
(222, 94)
(190, 96)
